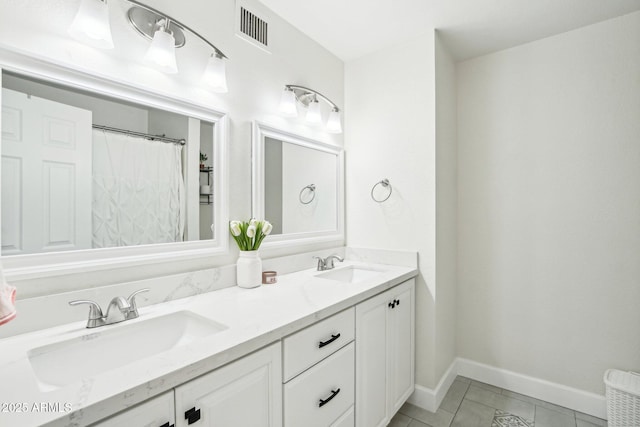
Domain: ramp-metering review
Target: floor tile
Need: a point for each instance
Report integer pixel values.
(416, 423)
(583, 423)
(486, 386)
(537, 402)
(463, 379)
(440, 418)
(399, 420)
(454, 396)
(590, 419)
(499, 401)
(472, 414)
(550, 418)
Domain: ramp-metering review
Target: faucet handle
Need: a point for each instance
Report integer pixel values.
(133, 309)
(321, 263)
(329, 261)
(95, 312)
(96, 318)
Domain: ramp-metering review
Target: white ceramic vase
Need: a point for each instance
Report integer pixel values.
(249, 269)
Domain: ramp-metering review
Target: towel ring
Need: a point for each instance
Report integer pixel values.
(385, 183)
(312, 190)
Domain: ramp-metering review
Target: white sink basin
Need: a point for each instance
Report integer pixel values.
(111, 347)
(351, 274)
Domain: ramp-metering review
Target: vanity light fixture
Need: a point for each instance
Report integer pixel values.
(288, 106)
(314, 116)
(91, 24)
(165, 33)
(162, 50)
(333, 123)
(310, 99)
(215, 75)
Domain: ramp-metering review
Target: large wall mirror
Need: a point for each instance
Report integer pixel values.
(93, 170)
(297, 186)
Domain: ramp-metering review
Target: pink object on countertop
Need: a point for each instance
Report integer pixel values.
(7, 302)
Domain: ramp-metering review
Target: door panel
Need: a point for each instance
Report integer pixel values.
(46, 201)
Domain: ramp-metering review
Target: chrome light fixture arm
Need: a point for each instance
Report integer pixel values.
(169, 21)
(306, 95)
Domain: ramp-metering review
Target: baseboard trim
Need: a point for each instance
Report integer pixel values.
(569, 397)
(430, 399)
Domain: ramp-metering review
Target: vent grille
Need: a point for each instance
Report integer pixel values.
(253, 27)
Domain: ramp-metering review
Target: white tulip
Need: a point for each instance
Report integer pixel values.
(266, 228)
(253, 222)
(234, 226)
(251, 231)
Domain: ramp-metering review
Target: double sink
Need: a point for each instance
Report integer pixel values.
(103, 349)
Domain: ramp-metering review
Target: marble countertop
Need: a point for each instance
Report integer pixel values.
(254, 318)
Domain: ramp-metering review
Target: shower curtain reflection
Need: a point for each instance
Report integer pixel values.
(138, 191)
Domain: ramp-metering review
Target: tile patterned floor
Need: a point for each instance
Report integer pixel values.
(470, 403)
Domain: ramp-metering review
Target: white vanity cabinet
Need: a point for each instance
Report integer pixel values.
(384, 354)
(246, 392)
(319, 374)
(354, 368)
(156, 412)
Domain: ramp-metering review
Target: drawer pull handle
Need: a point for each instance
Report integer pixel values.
(329, 341)
(192, 415)
(334, 393)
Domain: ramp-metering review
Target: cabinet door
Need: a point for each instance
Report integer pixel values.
(156, 412)
(384, 354)
(247, 392)
(371, 362)
(46, 175)
(401, 346)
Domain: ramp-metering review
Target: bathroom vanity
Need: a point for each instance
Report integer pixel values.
(315, 349)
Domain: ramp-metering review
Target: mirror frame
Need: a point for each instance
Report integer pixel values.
(33, 266)
(262, 131)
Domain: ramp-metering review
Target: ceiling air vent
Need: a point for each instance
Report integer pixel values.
(253, 29)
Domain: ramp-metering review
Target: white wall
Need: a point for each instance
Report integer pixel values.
(390, 128)
(255, 79)
(446, 207)
(549, 205)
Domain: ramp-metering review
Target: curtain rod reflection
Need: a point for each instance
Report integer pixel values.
(161, 138)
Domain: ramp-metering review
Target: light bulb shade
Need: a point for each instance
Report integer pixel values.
(288, 104)
(215, 75)
(91, 24)
(314, 116)
(333, 123)
(162, 52)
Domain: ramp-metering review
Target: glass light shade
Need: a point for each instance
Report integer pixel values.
(314, 116)
(215, 75)
(162, 52)
(333, 123)
(91, 24)
(288, 104)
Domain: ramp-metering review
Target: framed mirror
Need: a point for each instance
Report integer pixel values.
(95, 172)
(297, 185)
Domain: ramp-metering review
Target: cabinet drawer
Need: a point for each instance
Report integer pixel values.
(157, 411)
(309, 346)
(348, 419)
(321, 395)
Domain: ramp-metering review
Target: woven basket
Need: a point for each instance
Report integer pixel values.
(623, 398)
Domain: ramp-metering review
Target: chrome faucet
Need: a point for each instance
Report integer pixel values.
(327, 263)
(119, 310)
